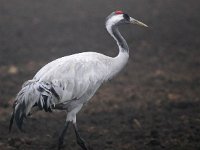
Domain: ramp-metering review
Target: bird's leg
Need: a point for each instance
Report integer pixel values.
(80, 140)
(62, 134)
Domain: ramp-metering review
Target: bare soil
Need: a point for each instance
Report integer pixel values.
(154, 103)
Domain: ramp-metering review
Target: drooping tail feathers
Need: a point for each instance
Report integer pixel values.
(33, 93)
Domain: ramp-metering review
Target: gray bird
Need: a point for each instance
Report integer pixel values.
(68, 83)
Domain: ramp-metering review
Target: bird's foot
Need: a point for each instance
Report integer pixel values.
(83, 144)
(60, 143)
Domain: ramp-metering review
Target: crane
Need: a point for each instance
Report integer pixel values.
(69, 82)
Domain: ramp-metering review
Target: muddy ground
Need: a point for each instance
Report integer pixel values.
(154, 103)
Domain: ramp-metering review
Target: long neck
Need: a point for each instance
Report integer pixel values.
(121, 42)
(121, 59)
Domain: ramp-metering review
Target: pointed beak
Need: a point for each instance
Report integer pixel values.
(134, 21)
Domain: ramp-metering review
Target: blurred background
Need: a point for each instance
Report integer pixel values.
(152, 104)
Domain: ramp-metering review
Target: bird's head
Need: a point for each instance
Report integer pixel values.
(119, 17)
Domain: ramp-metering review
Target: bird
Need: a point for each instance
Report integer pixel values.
(69, 82)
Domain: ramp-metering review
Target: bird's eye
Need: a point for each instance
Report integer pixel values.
(126, 17)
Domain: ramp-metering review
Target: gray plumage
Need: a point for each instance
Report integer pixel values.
(69, 82)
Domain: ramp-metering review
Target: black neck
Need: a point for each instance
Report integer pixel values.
(123, 46)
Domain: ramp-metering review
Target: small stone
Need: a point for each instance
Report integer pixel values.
(137, 123)
(12, 70)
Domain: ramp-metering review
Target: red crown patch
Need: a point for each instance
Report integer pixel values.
(119, 12)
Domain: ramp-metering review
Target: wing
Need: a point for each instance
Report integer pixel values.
(62, 80)
(75, 74)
